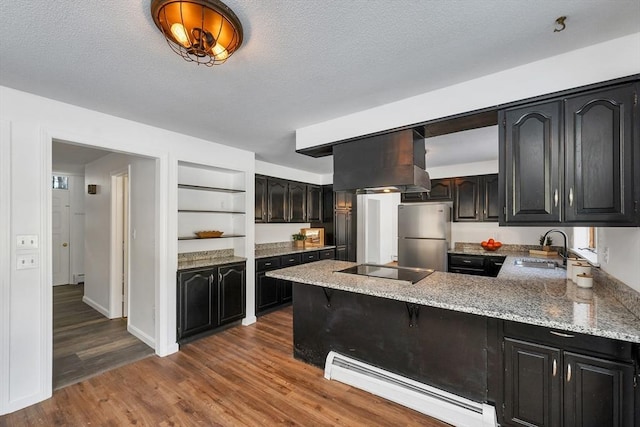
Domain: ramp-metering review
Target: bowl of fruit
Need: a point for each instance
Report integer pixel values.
(491, 245)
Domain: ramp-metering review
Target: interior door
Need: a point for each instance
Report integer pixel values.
(60, 236)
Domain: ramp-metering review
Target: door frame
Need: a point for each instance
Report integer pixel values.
(68, 234)
(118, 229)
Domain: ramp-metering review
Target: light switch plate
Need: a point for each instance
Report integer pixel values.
(27, 241)
(24, 262)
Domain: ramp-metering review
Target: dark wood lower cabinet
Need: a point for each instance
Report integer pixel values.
(272, 294)
(209, 298)
(567, 380)
(597, 392)
(532, 384)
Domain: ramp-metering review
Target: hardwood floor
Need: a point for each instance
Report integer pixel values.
(244, 376)
(85, 343)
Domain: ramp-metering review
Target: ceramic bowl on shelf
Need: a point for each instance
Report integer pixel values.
(209, 234)
(491, 245)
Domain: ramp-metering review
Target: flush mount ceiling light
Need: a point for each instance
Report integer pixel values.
(201, 31)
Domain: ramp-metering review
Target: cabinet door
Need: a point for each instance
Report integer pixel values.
(196, 302)
(466, 203)
(328, 203)
(267, 293)
(345, 250)
(532, 379)
(277, 200)
(530, 153)
(231, 291)
(314, 203)
(599, 156)
(261, 199)
(597, 392)
(490, 198)
(297, 202)
(441, 190)
(344, 200)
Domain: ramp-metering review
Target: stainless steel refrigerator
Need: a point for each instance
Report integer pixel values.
(424, 233)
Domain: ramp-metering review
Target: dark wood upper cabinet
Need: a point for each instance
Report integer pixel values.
(297, 202)
(344, 199)
(261, 199)
(573, 160)
(599, 150)
(441, 190)
(530, 143)
(490, 198)
(466, 202)
(314, 203)
(278, 201)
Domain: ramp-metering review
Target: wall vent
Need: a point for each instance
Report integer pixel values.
(78, 278)
(428, 400)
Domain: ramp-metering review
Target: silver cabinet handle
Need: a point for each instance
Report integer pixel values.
(568, 372)
(211, 279)
(555, 197)
(571, 196)
(220, 278)
(560, 334)
(267, 264)
(555, 368)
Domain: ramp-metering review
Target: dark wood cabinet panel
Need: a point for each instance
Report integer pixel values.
(261, 199)
(344, 236)
(441, 190)
(532, 384)
(267, 295)
(597, 392)
(277, 197)
(314, 203)
(297, 202)
(530, 144)
(208, 298)
(490, 198)
(196, 302)
(231, 288)
(344, 200)
(327, 205)
(599, 156)
(466, 202)
(414, 197)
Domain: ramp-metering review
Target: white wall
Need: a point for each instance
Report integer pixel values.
(623, 262)
(29, 124)
(273, 233)
(592, 64)
(386, 229)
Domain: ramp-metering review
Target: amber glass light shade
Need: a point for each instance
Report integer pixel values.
(202, 31)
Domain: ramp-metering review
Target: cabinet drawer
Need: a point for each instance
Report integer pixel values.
(288, 260)
(310, 257)
(267, 263)
(466, 261)
(328, 254)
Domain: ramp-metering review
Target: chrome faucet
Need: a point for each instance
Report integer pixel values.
(564, 235)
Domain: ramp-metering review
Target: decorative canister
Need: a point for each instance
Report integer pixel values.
(584, 280)
(580, 268)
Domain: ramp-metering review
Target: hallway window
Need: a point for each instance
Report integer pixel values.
(60, 182)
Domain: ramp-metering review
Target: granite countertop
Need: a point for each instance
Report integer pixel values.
(277, 251)
(208, 262)
(522, 294)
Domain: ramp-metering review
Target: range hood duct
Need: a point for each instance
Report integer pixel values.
(392, 162)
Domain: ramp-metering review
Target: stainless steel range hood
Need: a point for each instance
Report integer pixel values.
(392, 162)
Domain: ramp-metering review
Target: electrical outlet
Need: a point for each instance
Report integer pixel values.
(27, 241)
(24, 262)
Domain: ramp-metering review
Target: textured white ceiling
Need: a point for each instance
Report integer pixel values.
(302, 61)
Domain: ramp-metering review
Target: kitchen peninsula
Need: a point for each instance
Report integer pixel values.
(490, 340)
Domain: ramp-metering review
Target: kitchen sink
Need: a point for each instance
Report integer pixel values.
(535, 263)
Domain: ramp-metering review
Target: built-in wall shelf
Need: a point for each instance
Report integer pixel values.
(224, 236)
(204, 188)
(209, 211)
(211, 198)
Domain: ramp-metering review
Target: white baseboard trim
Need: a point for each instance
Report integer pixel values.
(249, 320)
(147, 339)
(23, 402)
(100, 309)
(428, 400)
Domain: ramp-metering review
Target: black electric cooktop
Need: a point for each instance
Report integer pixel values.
(412, 275)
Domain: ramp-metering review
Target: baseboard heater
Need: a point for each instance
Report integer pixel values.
(78, 278)
(428, 400)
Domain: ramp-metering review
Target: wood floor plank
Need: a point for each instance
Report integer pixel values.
(244, 376)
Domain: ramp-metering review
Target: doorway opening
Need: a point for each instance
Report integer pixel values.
(97, 326)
